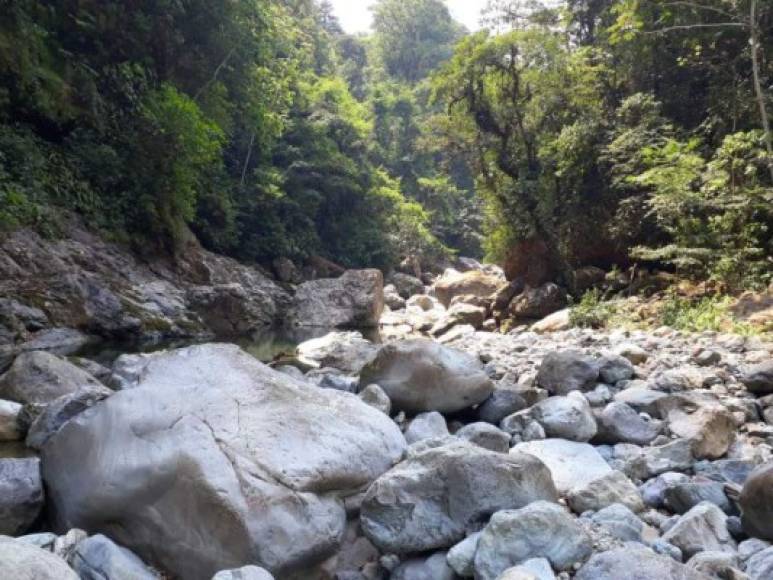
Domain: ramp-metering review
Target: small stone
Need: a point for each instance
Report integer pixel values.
(10, 428)
(620, 423)
(612, 488)
(461, 557)
(426, 426)
(374, 396)
(572, 465)
(100, 557)
(614, 368)
(567, 417)
(701, 529)
(621, 522)
(539, 530)
(500, 404)
(566, 371)
(485, 435)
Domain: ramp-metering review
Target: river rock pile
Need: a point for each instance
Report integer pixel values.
(573, 454)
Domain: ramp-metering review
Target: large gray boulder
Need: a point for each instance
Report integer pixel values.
(39, 377)
(539, 530)
(21, 495)
(420, 375)
(635, 563)
(473, 283)
(23, 561)
(564, 371)
(567, 417)
(346, 351)
(99, 558)
(433, 499)
(354, 300)
(214, 460)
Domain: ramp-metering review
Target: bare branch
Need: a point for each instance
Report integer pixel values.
(693, 26)
(699, 7)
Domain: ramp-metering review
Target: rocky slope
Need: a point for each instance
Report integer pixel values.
(59, 295)
(475, 454)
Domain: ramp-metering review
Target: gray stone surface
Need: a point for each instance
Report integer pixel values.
(461, 557)
(345, 351)
(539, 530)
(756, 503)
(620, 423)
(374, 396)
(533, 569)
(419, 375)
(759, 378)
(620, 522)
(426, 426)
(435, 567)
(485, 435)
(710, 429)
(564, 371)
(23, 561)
(567, 417)
(635, 563)
(612, 488)
(40, 377)
(432, 500)
(21, 495)
(354, 300)
(246, 457)
(500, 404)
(61, 410)
(244, 573)
(10, 428)
(701, 529)
(572, 465)
(99, 558)
(760, 566)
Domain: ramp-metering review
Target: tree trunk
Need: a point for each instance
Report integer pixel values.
(755, 45)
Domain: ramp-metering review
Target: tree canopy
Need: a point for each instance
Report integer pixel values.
(612, 131)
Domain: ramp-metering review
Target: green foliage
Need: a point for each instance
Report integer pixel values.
(716, 211)
(702, 314)
(592, 311)
(413, 38)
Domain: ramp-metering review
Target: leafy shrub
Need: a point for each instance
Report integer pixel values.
(702, 314)
(592, 311)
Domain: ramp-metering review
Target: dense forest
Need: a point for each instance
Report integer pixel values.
(604, 132)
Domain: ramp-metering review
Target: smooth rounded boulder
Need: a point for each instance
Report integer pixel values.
(39, 377)
(353, 300)
(21, 494)
(420, 375)
(213, 461)
(756, 503)
(635, 563)
(22, 561)
(539, 530)
(432, 500)
(472, 283)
